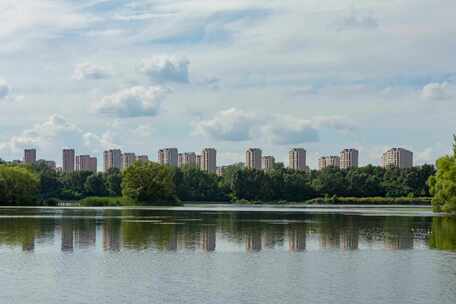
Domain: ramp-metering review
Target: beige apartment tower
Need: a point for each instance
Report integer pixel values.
(253, 158)
(128, 159)
(209, 160)
(268, 163)
(168, 156)
(112, 159)
(189, 159)
(68, 158)
(86, 163)
(143, 158)
(397, 158)
(297, 159)
(329, 161)
(349, 158)
(29, 156)
(198, 161)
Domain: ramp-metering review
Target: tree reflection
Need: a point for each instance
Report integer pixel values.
(443, 235)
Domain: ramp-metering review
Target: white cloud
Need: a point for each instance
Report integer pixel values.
(50, 136)
(435, 91)
(166, 69)
(357, 20)
(4, 89)
(133, 102)
(89, 71)
(229, 125)
(238, 125)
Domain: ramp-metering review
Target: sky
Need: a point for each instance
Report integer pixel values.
(146, 74)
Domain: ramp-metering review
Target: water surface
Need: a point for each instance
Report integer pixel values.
(226, 255)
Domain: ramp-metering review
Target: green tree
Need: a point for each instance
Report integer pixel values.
(149, 183)
(95, 185)
(443, 184)
(18, 185)
(113, 181)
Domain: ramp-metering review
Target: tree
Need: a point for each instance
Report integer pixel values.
(95, 185)
(443, 185)
(18, 185)
(113, 180)
(149, 183)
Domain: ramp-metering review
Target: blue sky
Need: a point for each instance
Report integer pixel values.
(145, 74)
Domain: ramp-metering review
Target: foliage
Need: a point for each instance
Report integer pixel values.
(18, 185)
(443, 184)
(148, 182)
(95, 201)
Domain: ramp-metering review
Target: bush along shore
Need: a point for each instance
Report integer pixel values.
(148, 183)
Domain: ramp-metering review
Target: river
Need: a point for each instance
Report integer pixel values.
(210, 254)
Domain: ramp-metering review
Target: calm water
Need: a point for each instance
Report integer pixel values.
(224, 256)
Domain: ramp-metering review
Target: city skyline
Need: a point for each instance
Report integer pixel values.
(207, 159)
(227, 74)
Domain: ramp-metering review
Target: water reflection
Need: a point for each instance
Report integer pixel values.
(208, 232)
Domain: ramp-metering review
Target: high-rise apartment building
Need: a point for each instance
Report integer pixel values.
(209, 160)
(29, 156)
(112, 159)
(168, 156)
(86, 163)
(397, 158)
(199, 161)
(220, 171)
(329, 161)
(127, 160)
(297, 159)
(68, 157)
(143, 158)
(189, 159)
(253, 158)
(180, 160)
(268, 162)
(349, 158)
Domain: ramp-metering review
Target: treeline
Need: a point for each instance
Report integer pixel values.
(148, 183)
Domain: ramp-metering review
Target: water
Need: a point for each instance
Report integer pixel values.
(209, 255)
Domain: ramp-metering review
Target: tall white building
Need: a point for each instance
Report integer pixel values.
(349, 158)
(168, 156)
(297, 159)
(112, 159)
(209, 160)
(268, 162)
(86, 163)
(253, 158)
(127, 160)
(397, 158)
(329, 161)
(29, 156)
(68, 160)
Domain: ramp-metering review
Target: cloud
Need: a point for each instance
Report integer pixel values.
(237, 125)
(228, 125)
(4, 89)
(357, 21)
(89, 71)
(435, 91)
(54, 134)
(137, 101)
(166, 69)
(289, 130)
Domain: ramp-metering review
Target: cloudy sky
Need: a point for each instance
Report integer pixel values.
(145, 74)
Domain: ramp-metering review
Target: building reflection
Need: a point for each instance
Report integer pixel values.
(398, 233)
(297, 237)
(111, 235)
(208, 238)
(253, 240)
(67, 235)
(349, 236)
(85, 233)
